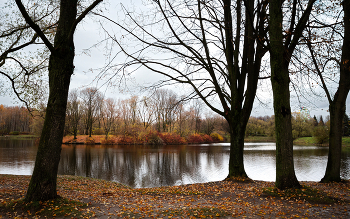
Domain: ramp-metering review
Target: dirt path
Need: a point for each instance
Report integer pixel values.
(226, 199)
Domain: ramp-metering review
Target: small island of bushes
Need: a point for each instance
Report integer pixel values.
(145, 138)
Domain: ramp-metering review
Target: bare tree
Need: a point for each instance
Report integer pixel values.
(74, 112)
(92, 99)
(217, 56)
(209, 123)
(145, 112)
(109, 115)
(181, 118)
(44, 179)
(125, 115)
(197, 109)
(281, 50)
(165, 103)
(324, 53)
(26, 70)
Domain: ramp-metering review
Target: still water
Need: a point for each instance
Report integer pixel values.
(143, 166)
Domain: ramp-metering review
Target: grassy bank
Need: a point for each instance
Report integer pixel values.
(312, 141)
(91, 198)
(259, 139)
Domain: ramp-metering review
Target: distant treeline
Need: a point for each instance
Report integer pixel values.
(89, 113)
(15, 120)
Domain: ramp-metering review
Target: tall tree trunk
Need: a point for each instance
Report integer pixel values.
(285, 174)
(44, 179)
(337, 111)
(242, 99)
(337, 106)
(237, 133)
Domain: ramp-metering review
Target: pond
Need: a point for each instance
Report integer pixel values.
(146, 166)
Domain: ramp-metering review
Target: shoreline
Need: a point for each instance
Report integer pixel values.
(98, 140)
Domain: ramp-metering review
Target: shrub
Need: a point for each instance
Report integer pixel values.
(89, 140)
(3, 132)
(172, 138)
(156, 140)
(320, 133)
(195, 139)
(109, 140)
(153, 138)
(14, 133)
(207, 139)
(216, 137)
(124, 139)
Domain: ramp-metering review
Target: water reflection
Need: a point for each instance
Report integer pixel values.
(141, 166)
(17, 156)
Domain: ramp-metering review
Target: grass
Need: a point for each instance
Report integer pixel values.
(259, 139)
(312, 141)
(305, 141)
(306, 193)
(60, 207)
(346, 141)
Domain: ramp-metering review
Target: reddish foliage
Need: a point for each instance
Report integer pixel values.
(172, 138)
(195, 139)
(207, 139)
(110, 140)
(124, 139)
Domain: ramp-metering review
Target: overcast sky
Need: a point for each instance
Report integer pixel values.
(89, 33)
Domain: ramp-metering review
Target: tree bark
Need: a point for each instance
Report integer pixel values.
(242, 100)
(237, 134)
(285, 174)
(44, 179)
(337, 105)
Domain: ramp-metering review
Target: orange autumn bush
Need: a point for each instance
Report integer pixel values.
(109, 140)
(207, 139)
(172, 138)
(125, 139)
(195, 139)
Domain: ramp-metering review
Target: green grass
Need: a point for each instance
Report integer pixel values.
(346, 141)
(259, 139)
(312, 141)
(306, 193)
(59, 207)
(305, 141)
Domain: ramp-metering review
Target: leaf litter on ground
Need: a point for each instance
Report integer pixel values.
(83, 197)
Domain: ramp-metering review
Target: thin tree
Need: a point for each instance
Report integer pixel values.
(109, 115)
(43, 184)
(73, 113)
(337, 102)
(92, 100)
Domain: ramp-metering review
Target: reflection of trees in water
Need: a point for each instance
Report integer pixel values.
(171, 165)
(138, 166)
(345, 164)
(141, 166)
(19, 151)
